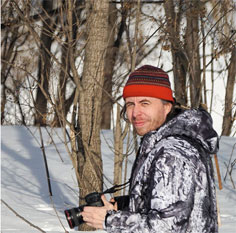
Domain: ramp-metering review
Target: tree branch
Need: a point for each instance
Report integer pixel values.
(21, 217)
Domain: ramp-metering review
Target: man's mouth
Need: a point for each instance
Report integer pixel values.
(138, 123)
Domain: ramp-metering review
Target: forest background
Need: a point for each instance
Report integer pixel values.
(64, 64)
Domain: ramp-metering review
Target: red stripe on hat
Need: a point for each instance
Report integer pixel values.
(155, 91)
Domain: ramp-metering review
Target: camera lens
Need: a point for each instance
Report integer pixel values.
(73, 217)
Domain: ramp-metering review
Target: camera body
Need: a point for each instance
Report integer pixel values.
(73, 216)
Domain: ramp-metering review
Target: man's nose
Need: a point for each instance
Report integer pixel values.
(136, 111)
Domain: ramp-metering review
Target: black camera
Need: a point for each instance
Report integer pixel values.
(73, 216)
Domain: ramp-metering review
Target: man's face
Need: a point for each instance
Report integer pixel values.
(146, 113)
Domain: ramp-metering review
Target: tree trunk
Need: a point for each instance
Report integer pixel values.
(63, 105)
(110, 59)
(8, 56)
(180, 62)
(228, 118)
(192, 50)
(118, 146)
(111, 55)
(90, 96)
(44, 68)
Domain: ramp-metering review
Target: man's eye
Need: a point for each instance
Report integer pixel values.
(129, 105)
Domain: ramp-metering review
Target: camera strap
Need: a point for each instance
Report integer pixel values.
(116, 188)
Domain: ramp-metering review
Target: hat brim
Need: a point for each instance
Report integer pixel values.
(156, 91)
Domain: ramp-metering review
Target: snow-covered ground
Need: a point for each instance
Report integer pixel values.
(24, 187)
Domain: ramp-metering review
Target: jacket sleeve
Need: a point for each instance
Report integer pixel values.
(170, 199)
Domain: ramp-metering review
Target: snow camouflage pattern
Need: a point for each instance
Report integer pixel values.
(172, 185)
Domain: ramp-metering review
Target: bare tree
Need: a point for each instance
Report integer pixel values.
(14, 37)
(119, 155)
(179, 56)
(44, 65)
(107, 100)
(230, 111)
(194, 8)
(185, 49)
(115, 33)
(86, 117)
(63, 103)
(187, 36)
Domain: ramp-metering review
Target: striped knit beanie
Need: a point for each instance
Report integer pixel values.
(148, 81)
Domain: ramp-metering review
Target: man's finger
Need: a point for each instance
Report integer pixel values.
(106, 202)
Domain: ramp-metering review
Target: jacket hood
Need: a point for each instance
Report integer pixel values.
(195, 124)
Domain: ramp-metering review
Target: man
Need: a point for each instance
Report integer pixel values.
(172, 187)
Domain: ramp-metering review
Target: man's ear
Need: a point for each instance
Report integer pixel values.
(167, 107)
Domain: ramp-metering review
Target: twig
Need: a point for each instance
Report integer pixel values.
(229, 162)
(231, 171)
(218, 171)
(21, 217)
(53, 142)
(45, 161)
(58, 215)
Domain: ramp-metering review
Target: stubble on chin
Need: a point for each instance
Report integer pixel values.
(140, 132)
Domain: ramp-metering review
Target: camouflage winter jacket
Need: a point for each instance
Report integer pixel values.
(172, 185)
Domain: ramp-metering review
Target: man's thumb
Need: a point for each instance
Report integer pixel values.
(106, 202)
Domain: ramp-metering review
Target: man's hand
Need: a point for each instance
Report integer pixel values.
(95, 216)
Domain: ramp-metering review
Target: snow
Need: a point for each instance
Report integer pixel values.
(24, 186)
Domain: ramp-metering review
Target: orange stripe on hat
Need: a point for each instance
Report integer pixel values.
(148, 81)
